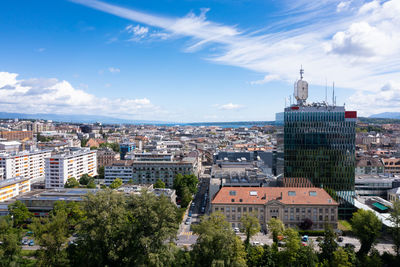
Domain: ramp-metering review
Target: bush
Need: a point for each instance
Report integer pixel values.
(312, 232)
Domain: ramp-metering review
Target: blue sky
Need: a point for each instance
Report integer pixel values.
(184, 61)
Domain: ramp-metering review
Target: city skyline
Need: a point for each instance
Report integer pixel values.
(196, 61)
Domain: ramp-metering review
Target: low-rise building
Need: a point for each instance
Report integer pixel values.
(13, 187)
(41, 202)
(148, 172)
(369, 166)
(16, 135)
(289, 204)
(392, 165)
(70, 163)
(393, 194)
(106, 156)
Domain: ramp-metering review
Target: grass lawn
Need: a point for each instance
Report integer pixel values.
(28, 253)
(344, 225)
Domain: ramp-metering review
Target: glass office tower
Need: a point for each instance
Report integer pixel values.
(319, 144)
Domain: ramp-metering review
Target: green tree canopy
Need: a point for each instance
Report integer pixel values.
(91, 184)
(51, 234)
(395, 219)
(366, 227)
(250, 226)
(19, 213)
(276, 227)
(85, 179)
(100, 172)
(159, 184)
(217, 244)
(116, 183)
(10, 237)
(328, 245)
(71, 183)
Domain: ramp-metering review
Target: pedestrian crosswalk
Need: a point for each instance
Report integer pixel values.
(187, 233)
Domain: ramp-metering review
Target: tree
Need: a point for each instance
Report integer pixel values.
(276, 227)
(255, 256)
(292, 246)
(91, 184)
(51, 234)
(116, 183)
(366, 227)
(72, 209)
(85, 179)
(159, 184)
(395, 219)
(84, 142)
(101, 236)
(328, 245)
(186, 197)
(19, 213)
(306, 256)
(340, 258)
(306, 224)
(100, 172)
(217, 244)
(152, 226)
(10, 249)
(250, 226)
(71, 183)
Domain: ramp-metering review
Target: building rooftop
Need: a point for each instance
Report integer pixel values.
(262, 195)
(12, 181)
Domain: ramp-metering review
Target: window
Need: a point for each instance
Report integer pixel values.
(233, 200)
(240, 200)
(292, 193)
(244, 209)
(320, 217)
(291, 217)
(332, 217)
(313, 193)
(227, 209)
(297, 210)
(232, 193)
(239, 209)
(216, 209)
(250, 209)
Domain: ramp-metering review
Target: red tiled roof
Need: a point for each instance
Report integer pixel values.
(262, 195)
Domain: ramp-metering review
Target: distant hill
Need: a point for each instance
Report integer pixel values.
(386, 115)
(74, 118)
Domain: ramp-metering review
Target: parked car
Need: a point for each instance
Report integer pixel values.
(304, 238)
(203, 209)
(188, 220)
(190, 213)
(31, 243)
(236, 229)
(256, 243)
(340, 239)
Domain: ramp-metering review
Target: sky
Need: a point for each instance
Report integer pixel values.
(196, 60)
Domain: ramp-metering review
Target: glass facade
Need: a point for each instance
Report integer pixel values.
(319, 144)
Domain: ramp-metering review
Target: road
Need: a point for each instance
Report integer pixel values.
(185, 235)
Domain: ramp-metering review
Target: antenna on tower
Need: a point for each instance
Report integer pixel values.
(301, 72)
(333, 94)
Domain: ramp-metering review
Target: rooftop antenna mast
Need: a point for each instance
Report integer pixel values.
(333, 94)
(301, 72)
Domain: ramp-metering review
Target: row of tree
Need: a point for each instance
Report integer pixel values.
(112, 229)
(85, 181)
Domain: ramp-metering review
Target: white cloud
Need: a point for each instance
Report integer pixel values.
(267, 79)
(343, 6)
(40, 50)
(60, 97)
(229, 106)
(114, 70)
(359, 48)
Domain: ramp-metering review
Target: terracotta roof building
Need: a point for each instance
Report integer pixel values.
(292, 205)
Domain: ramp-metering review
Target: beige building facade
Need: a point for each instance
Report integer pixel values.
(289, 204)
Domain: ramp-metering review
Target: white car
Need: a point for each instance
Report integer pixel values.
(237, 230)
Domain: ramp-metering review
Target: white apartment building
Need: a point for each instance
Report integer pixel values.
(29, 164)
(148, 172)
(13, 187)
(72, 163)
